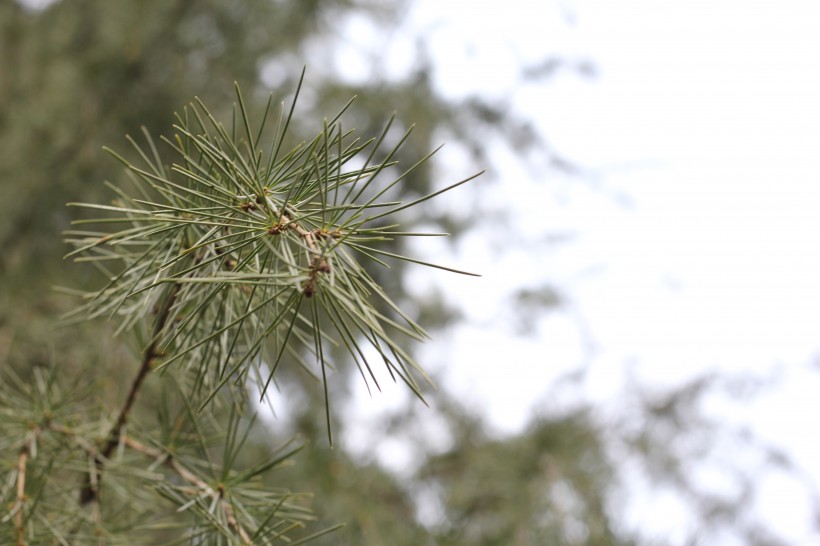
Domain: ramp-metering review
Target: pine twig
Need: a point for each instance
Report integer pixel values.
(90, 490)
(217, 494)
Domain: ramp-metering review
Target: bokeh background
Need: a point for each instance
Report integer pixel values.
(638, 363)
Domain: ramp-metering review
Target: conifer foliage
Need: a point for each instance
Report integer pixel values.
(241, 254)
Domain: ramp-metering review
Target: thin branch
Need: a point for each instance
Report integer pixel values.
(234, 524)
(17, 512)
(74, 436)
(90, 490)
(19, 515)
(318, 263)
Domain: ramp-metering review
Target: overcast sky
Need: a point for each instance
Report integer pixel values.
(691, 244)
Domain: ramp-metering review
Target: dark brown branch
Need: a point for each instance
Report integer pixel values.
(90, 489)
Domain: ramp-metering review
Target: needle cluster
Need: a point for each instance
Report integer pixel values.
(242, 255)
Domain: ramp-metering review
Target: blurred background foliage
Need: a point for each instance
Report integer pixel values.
(79, 74)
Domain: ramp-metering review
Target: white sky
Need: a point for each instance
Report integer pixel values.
(697, 248)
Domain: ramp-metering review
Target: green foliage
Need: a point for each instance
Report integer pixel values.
(244, 253)
(231, 260)
(51, 438)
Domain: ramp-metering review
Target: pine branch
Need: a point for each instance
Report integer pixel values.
(249, 256)
(249, 240)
